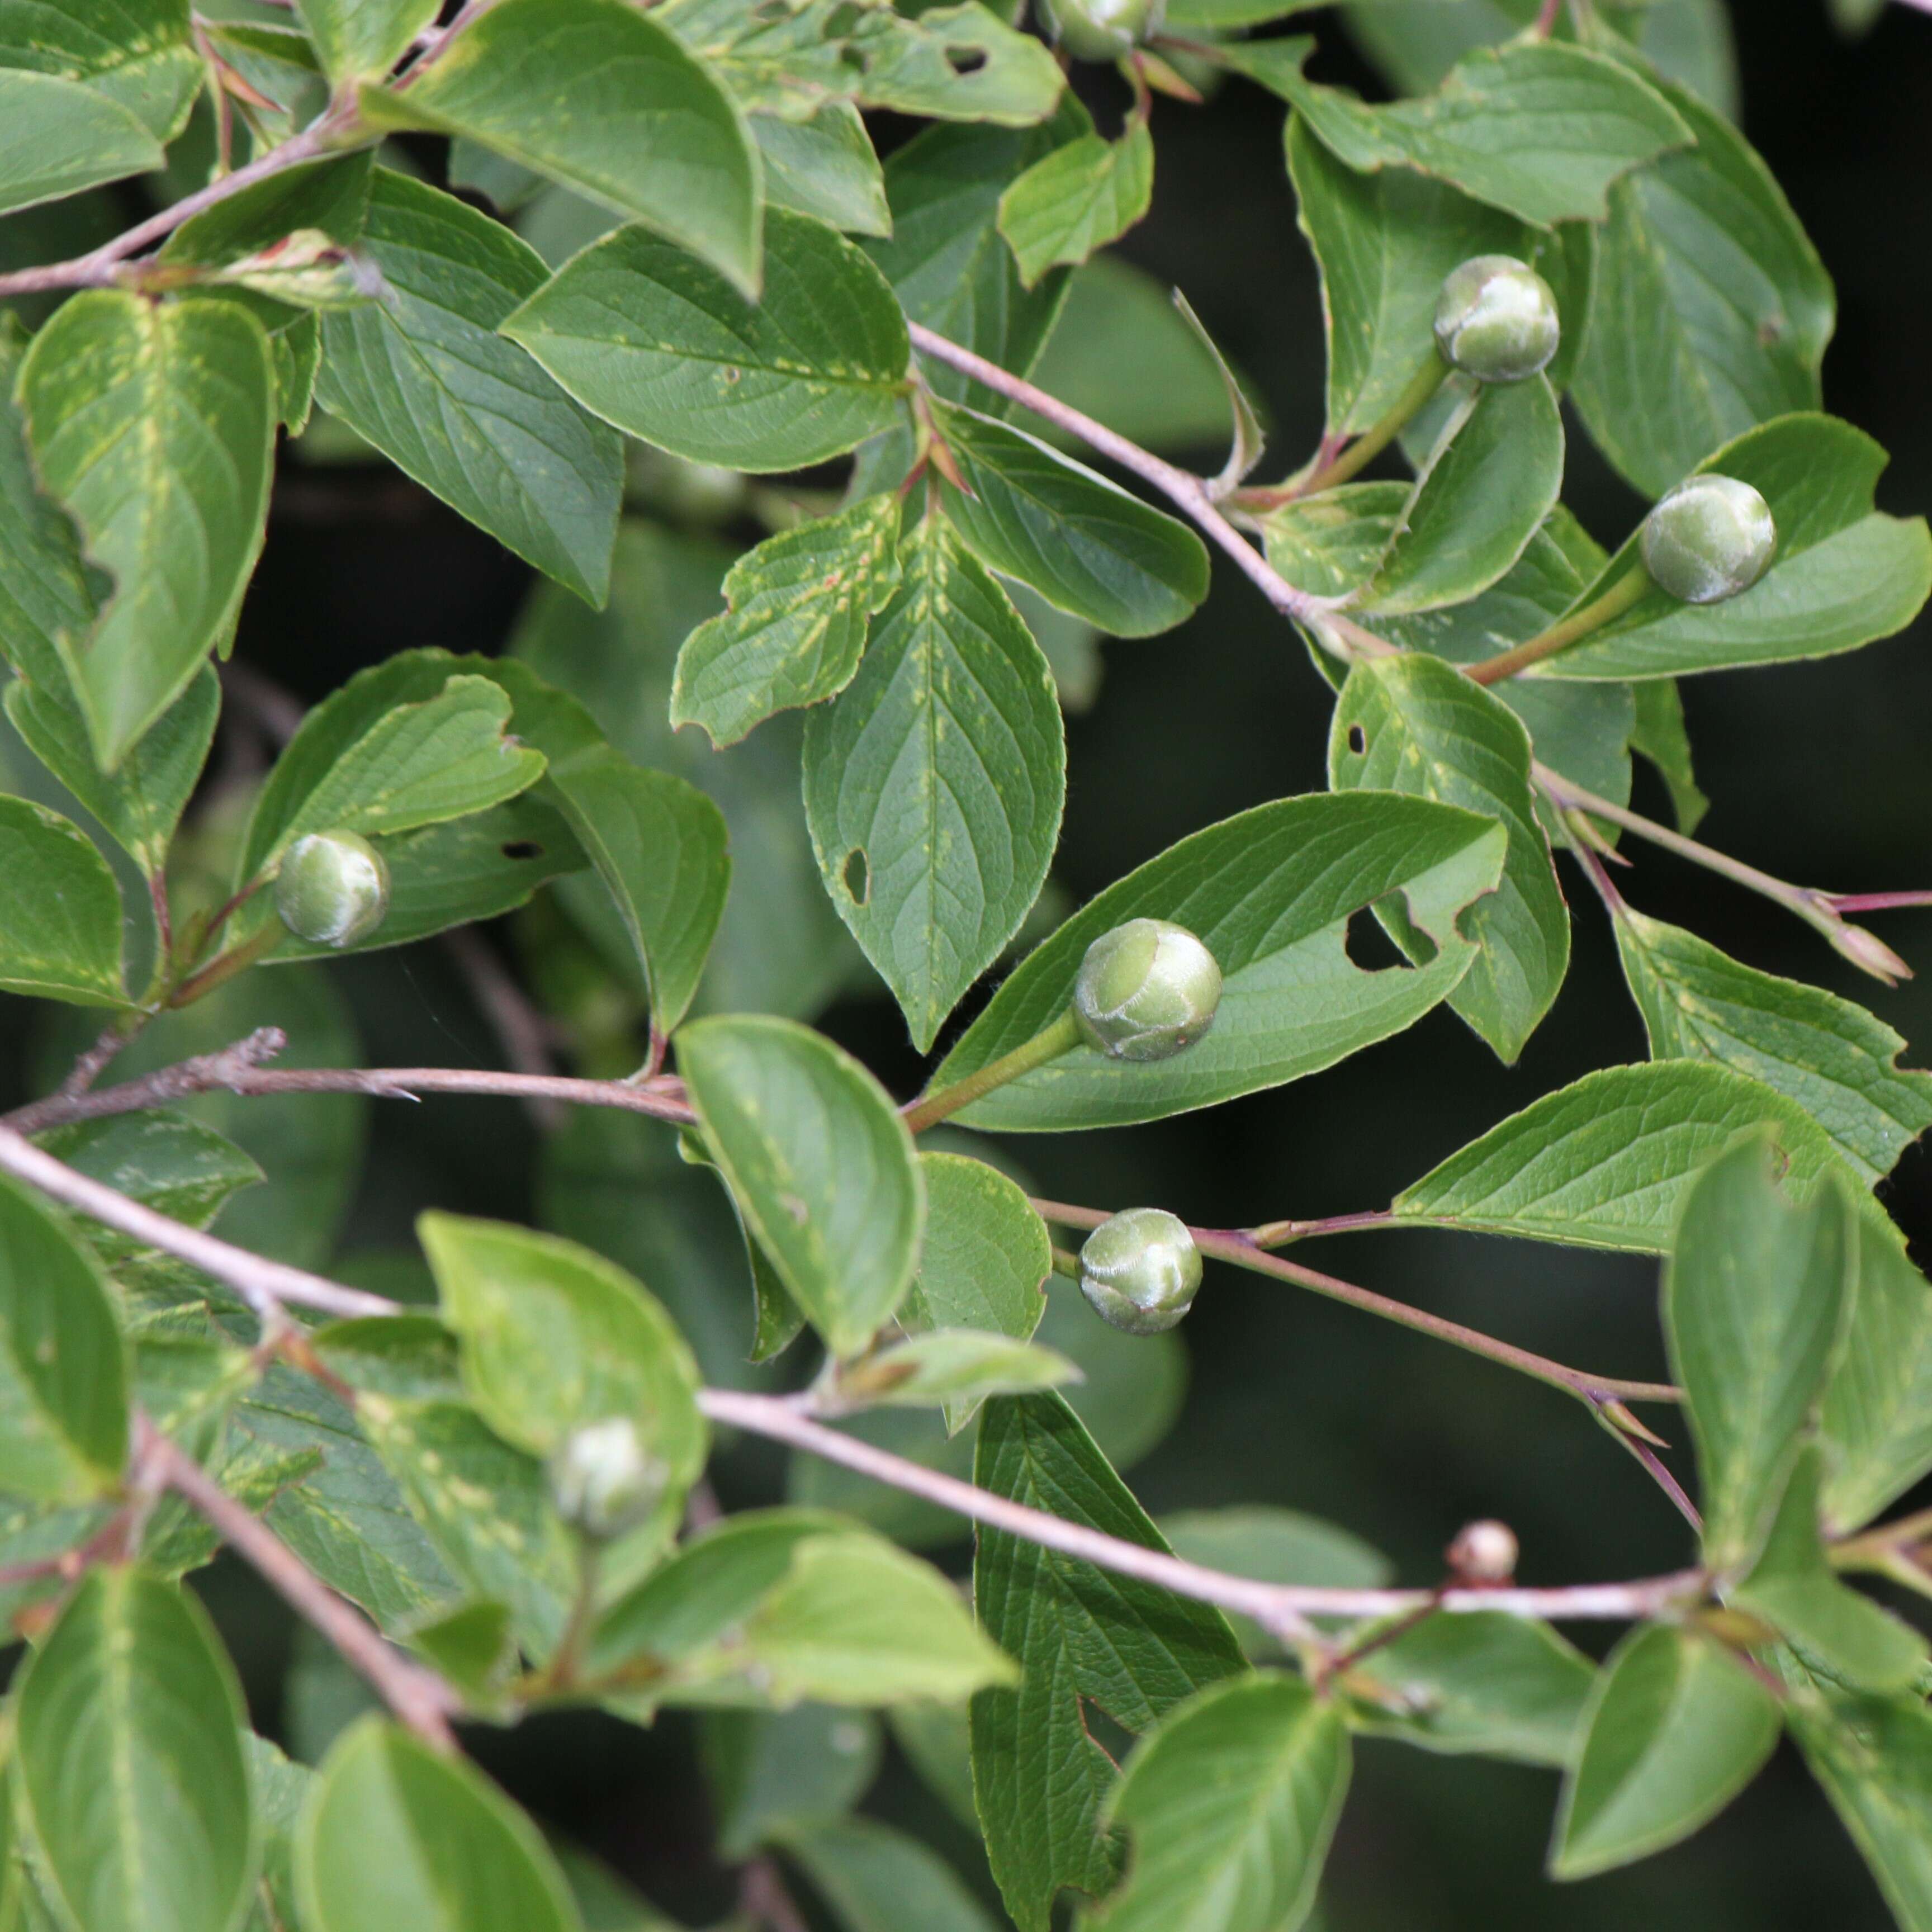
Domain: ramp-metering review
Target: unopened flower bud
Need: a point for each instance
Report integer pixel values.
(1100, 30)
(333, 889)
(603, 1481)
(1146, 990)
(1483, 1552)
(1868, 952)
(1709, 538)
(1496, 319)
(1139, 1271)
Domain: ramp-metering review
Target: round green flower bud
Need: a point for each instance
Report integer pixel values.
(333, 889)
(602, 1481)
(1100, 30)
(1496, 319)
(1146, 990)
(1139, 1271)
(1709, 538)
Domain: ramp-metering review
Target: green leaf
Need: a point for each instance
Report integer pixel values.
(1232, 1802)
(961, 62)
(1793, 1588)
(1755, 1300)
(662, 848)
(1709, 308)
(131, 1695)
(1844, 574)
(62, 136)
(49, 596)
(1080, 1634)
(1331, 543)
(600, 97)
(1605, 1162)
(484, 1508)
(1539, 130)
(140, 804)
(1873, 1757)
(1086, 545)
(652, 339)
(1484, 492)
(877, 1879)
(63, 1368)
(1269, 892)
(423, 375)
(1876, 1426)
(62, 938)
(142, 56)
(820, 1164)
(772, 1773)
(554, 1338)
(952, 1368)
(1485, 1682)
(934, 783)
(796, 626)
(983, 1262)
(1384, 241)
(1077, 199)
(1836, 1060)
(396, 1833)
(357, 37)
(153, 422)
(1661, 736)
(1676, 1728)
(824, 167)
(947, 262)
(159, 1158)
(1412, 724)
(332, 195)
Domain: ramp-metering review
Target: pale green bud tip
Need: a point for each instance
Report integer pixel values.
(603, 1481)
(1101, 30)
(1496, 319)
(1146, 990)
(1709, 538)
(333, 889)
(1139, 1271)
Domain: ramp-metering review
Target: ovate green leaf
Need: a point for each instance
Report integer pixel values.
(1837, 1060)
(354, 38)
(1269, 892)
(796, 627)
(1080, 1634)
(653, 340)
(423, 375)
(1077, 199)
(395, 1833)
(61, 940)
(130, 1764)
(597, 95)
(153, 423)
(1755, 1300)
(825, 167)
(143, 56)
(58, 137)
(1230, 1802)
(1677, 1728)
(1413, 723)
(934, 783)
(819, 1163)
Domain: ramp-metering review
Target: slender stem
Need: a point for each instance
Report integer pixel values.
(1878, 901)
(1279, 1234)
(1274, 1605)
(563, 1665)
(420, 1698)
(1627, 591)
(1338, 461)
(662, 1098)
(265, 1285)
(1339, 634)
(1239, 1246)
(1067, 1263)
(1049, 1043)
(1865, 949)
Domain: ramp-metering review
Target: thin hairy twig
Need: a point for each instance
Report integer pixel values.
(1338, 633)
(1239, 1246)
(420, 1698)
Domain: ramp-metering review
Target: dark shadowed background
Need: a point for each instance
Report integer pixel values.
(1820, 773)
